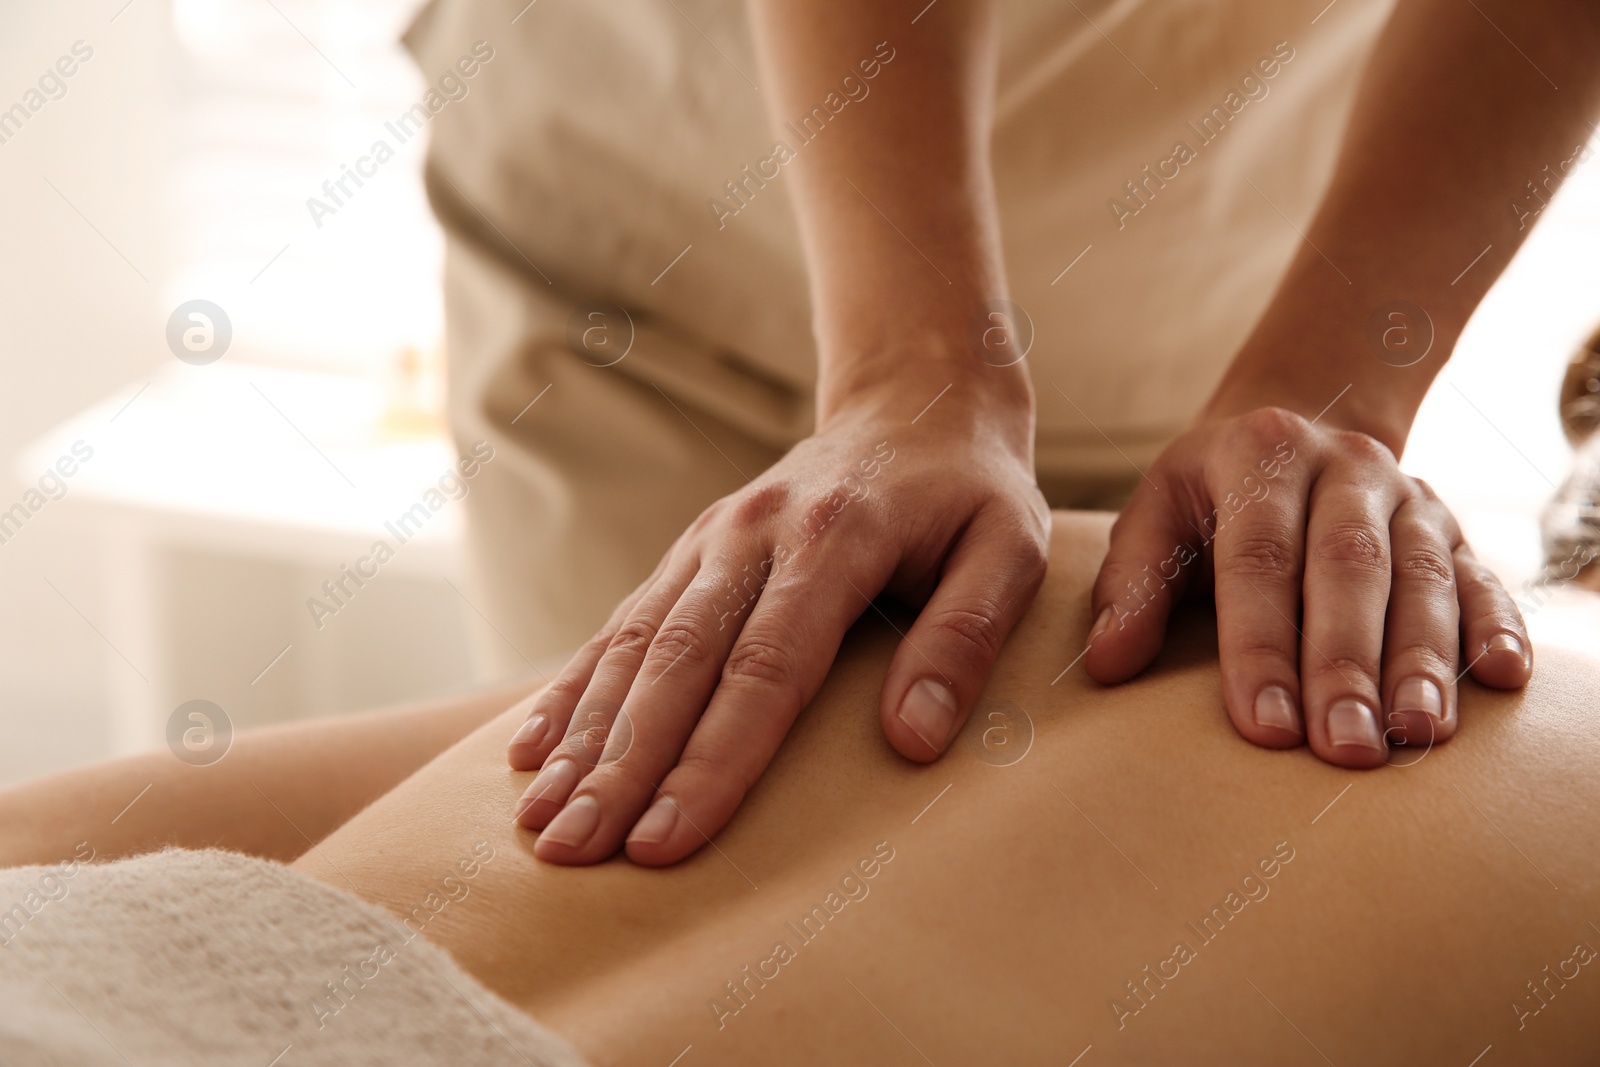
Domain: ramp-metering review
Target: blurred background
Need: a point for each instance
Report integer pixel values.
(175, 563)
(174, 164)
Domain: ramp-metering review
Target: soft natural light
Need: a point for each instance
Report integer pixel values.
(1489, 434)
(277, 99)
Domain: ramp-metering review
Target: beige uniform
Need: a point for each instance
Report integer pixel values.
(1155, 161)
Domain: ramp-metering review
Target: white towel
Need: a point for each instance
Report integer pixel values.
(215, 958)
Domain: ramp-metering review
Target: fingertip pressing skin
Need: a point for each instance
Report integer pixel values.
(1503, 662)
(1351, 735)
(1133, 592)
(527, 748)
(923, 724)
(1493, 634)
(1274, 720)
(564, 838)
(594, 825)
(547, 793)
(662, 836)
(1421, 713)
(1367, 569)
(1121, 644)
(937, 675)
(690, 806)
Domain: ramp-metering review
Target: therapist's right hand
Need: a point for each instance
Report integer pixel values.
(656, 729)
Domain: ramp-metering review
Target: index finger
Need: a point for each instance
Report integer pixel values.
(775, 668)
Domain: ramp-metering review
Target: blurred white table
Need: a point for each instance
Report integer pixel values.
(245, 461)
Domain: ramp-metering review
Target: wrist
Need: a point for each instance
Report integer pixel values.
(1332, 404)
(919, 375)
(1342, 355)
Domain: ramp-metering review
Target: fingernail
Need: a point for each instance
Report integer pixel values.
(555, 781)
(929, 710)
(531, 732)
(1275, 708)
(576, 823)
(1351, 722)
(1102, 624)
(1507, 643)
(1420, 694)
(657, 824)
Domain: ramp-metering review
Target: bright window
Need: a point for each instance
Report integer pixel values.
(278, 97)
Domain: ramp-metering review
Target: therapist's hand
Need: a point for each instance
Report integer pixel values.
(918, 481)
(1345, 595)
(657, 728)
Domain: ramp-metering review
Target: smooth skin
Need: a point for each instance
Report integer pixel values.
(275, 793)
(1347, 602)
(1420, 904)
(1043, 865)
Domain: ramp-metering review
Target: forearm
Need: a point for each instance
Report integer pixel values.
(894, 196)
(273, 794)
(1451, 124)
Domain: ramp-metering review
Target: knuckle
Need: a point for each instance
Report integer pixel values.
(1026, 561)
(1424, 519)
(1431, 659)
(1269, 555)
(1269, 425)
(1355, 542)
(684, 642)
(701, 523)
(586, 738)
(579, 670)
(1035, 563)
(573, 681)
(632, 638)
(821, 509)
(1426, 566)
(712, 774)
(1260, 649)
(614, 780)
(1033, 555)
(595, 647)
(1489, 584)
(1038, 560)
(566, 689)
(1362, 448)
(1424, 490)
(1037, 517)
(974, 628)
(1130, 518)
(757, 506)
(580, 746)
(760, 659)
(1350, 669)
(1471, 570)
(1167, 468)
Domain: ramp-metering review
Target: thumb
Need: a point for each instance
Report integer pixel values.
(940, 668)
(1148, 567)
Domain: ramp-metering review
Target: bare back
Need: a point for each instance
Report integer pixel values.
(1105, 867)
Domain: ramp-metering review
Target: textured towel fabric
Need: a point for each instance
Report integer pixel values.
(185, 957)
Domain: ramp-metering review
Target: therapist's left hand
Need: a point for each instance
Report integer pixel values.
(1348, 604)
